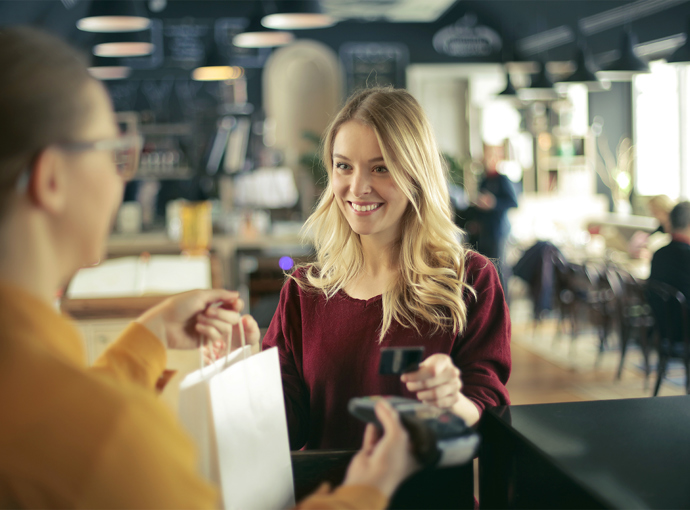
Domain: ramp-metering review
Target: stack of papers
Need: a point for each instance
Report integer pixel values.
(141, 276)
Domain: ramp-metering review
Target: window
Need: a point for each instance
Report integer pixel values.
(661, 123)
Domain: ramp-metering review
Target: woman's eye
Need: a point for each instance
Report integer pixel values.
(342, 166)
(380, 169)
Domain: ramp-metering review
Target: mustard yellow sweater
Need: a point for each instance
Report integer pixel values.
(78, 437)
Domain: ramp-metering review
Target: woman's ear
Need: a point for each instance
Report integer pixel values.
(47, 185)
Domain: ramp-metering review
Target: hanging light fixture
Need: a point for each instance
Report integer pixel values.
(585, 72)
(540, 89)
(509, 91)
(123, 49)
(256, 36)
(109, 69)
(628, 64)
(216, 68)
(129, 44)
(682, 54)
(296, 15)
(217, 73)
(114, 16)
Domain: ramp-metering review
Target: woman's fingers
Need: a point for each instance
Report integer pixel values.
(371, 436)
(437, 381)
(441, 391)
(251, 330)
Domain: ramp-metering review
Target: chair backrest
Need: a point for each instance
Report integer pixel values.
(670, 312)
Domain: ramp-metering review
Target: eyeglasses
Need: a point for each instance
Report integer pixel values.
(125, 152)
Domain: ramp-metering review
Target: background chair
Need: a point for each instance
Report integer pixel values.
(671, 328)
(634, 318)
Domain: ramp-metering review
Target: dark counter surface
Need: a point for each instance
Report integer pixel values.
(632, 453)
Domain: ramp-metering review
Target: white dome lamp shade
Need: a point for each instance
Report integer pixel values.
(296, 15)
(108, 16)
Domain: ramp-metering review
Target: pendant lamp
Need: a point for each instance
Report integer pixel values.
(682, 54)
(540, 89)
(106, 16)
(296, 15)
(256, 36)
(628, 64)
(109, 69)
(509, 91)
(216, 68)
(585, 72)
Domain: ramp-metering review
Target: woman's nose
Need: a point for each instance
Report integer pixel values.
(360, 184)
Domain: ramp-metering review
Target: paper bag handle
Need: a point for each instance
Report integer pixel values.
(243, 343)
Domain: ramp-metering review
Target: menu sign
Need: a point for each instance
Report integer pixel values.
(465, 38)
(368, 64)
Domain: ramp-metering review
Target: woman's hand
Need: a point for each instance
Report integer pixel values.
(187, 320)
(437, 382)
(383, 462)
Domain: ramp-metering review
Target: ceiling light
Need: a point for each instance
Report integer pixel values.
(628, 64)
(110, 16)
(123, 49)
(682, 54)
(265, 39)
(110, 72)
(113, 24)
(509, 91)
(217, 73)
(296, 15)
(541, 87)
(584, 72)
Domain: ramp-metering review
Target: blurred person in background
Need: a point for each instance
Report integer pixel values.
(642, 245)
(496, 194)
(660, 207)
(671, 263)
(95, 437)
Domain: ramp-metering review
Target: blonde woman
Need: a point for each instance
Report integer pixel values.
(389, 272)
(73, 436)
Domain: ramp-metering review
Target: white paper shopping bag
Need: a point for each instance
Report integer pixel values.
(234, 411)
(251, 434)
(195, 414)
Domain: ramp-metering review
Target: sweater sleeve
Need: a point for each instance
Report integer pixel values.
(136, 356)
(285, 332)
(146, 462)
(349, 497)
(482, 351)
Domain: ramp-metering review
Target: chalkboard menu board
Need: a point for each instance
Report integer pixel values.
(371, 64)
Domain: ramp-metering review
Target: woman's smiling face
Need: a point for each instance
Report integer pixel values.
(364, 189)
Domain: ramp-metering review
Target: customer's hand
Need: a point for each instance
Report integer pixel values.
(383, 462)
(187, 320)
(437, 382)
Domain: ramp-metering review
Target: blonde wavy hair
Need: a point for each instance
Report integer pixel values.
(431, 281)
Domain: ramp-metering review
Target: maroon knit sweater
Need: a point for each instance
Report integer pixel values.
(329, 353)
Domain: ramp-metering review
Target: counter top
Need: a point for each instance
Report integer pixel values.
(631, 453)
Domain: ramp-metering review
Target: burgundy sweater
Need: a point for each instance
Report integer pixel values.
(329, 353)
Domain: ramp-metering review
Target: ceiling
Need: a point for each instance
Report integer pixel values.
(536, 29)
